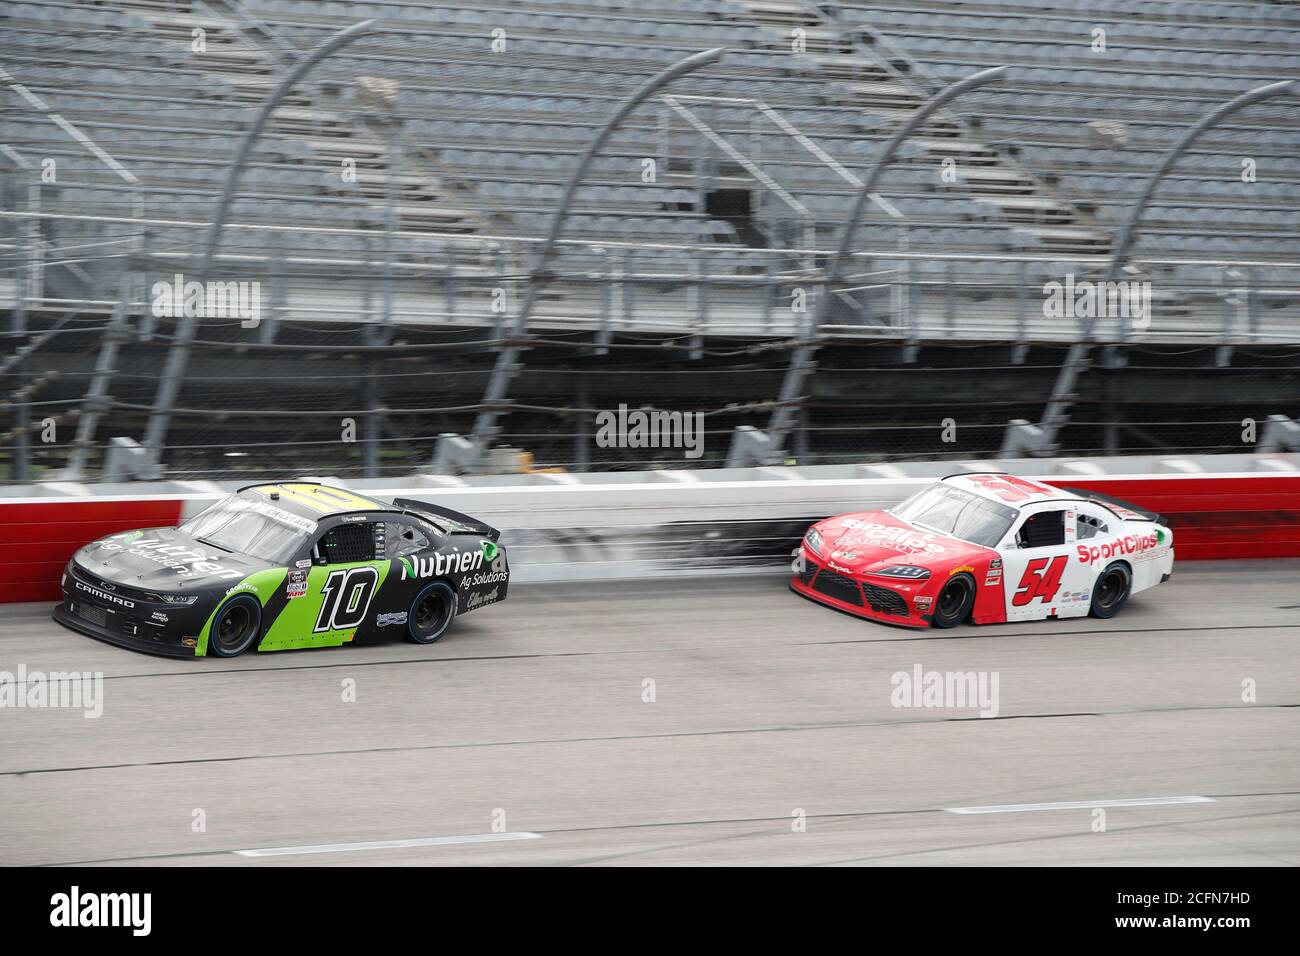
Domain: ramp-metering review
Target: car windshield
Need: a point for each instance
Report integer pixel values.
(251, 527)
(958, 513)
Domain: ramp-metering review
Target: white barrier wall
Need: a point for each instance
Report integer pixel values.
(679, 523)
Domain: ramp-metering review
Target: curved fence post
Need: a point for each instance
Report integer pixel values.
(186, 326)
(1043, 440)
(800, 367)
(485, 427)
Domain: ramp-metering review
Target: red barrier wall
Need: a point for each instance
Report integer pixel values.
(1213, 517)
(38, 538)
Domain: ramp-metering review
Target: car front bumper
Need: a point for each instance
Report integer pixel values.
(848, 596)
(150, 643)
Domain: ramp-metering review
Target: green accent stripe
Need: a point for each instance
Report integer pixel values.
(260, 584)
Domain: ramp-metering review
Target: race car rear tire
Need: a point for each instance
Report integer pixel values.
(954, 602)
(235, 626)
(431, 613)
(1111, 590)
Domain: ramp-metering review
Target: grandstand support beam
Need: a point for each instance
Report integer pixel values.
(97, 400)
(748, 445)
(186, 326)
(1280, 434)
(801, 363)
(507, 363)
(1078, 359)
(20, 455)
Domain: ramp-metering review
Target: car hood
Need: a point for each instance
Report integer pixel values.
(873, 540)
(164, 559)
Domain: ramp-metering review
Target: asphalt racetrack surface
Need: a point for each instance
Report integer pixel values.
(525, 737)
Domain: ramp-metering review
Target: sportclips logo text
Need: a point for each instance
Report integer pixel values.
(75, 908)
(1129, 544)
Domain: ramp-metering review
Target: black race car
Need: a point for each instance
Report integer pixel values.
(278, 566)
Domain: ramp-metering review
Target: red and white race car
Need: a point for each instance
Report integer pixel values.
(985, 547)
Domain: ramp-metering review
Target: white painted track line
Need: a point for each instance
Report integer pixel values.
(389, 844)
(1081, 804)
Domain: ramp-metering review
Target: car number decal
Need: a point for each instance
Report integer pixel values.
(345, 598)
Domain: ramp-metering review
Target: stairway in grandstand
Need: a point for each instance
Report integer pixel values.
(859, 65)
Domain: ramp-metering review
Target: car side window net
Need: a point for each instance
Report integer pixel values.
(402, 539)
(346, 543)
(1042, 530)
(1090, 527)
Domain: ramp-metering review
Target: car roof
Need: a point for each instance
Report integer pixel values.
(309, 499)
(1007, 489)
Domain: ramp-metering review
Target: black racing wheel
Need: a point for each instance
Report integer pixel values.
(1111, 590)
(235, 626)
(955, 601)
(431, 613)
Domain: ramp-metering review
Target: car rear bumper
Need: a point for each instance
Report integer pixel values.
(160, 643)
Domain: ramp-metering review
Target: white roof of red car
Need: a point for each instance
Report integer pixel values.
(1007, 489)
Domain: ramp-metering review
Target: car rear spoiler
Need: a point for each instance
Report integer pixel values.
(467, 524)
(1103, 499)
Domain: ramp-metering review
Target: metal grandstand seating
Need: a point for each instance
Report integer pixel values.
(487, 141)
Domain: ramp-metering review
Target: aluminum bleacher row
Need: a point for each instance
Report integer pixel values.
(488, 138)
(1163, 66)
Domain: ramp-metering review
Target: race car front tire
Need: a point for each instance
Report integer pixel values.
(431, 613)
(235, 626)
(1111, 590)
(955, 601)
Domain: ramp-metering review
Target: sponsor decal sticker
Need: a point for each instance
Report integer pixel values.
(905, 540)
(186, 562)
(1129, 544)
(388, 620)
(297, 584)
(287, 518)
(490, 577)
(104, 595)
(436, 565)
(478, 598)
